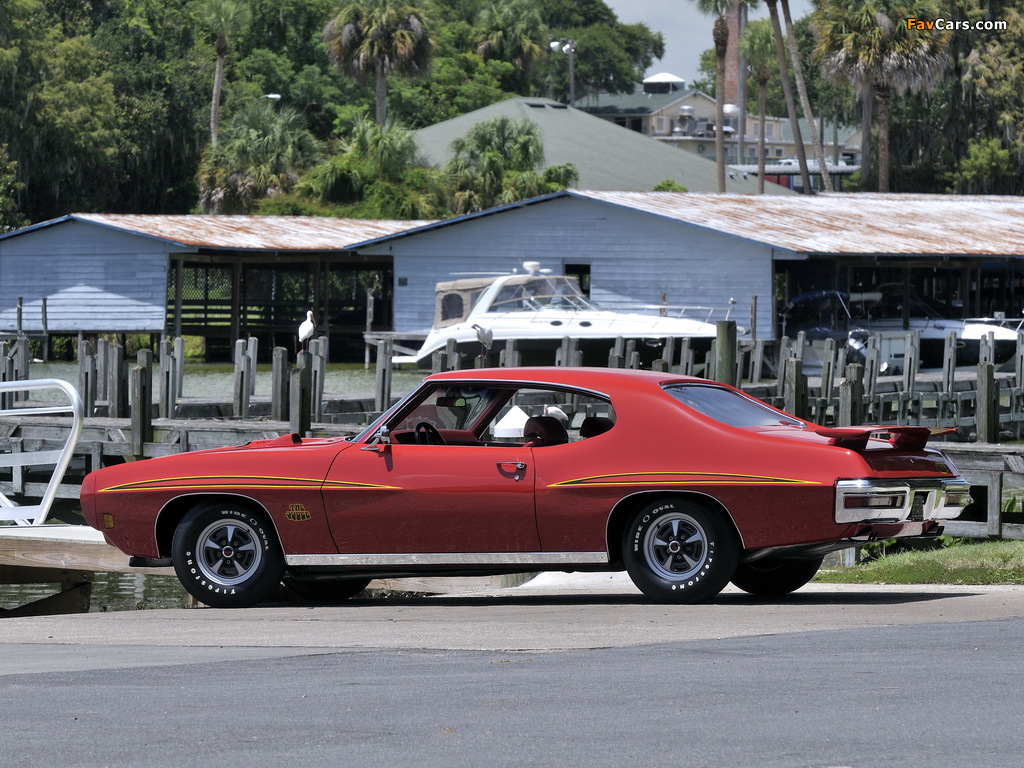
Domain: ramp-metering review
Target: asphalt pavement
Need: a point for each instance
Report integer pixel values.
(564, 671)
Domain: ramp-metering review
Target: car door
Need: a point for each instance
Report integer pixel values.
(394, 498)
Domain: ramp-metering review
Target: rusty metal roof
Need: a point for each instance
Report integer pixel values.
(255, 233)
(847, 224)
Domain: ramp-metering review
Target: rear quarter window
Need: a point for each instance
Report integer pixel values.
(729, 407)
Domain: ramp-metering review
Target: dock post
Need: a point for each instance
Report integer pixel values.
(725, 352)
(279, 410)
(794, 397)
(179, 364)
(617, 354)
(252, 352)
(509, 356)
(299, 399)
(382, 378)
(851, 397)
(240, 388)
(168, 381)
(986, 409)
(102, 361)
(142, 403)
(117, 384)
(319, 373)
(87, 377)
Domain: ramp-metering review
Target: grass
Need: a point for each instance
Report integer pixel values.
(998, 562)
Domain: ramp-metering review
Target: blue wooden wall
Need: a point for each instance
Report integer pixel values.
(94, 279)
(634, 258)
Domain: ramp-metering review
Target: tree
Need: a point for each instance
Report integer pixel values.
(511, 32)
(262, 154)
(497, 162)
(787, 91)
(805, 104)
(378, 173)
(987, 169)
(758, 47)
(720, 34)
(377, 38)
(867, 41)
(10, 215)
(224, 18)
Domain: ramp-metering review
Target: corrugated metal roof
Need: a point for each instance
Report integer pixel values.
(847, 224)
(254, 233)
(606, 155)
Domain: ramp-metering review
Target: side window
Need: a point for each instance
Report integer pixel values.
(549, 412)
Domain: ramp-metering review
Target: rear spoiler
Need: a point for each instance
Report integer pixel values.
(903, 438)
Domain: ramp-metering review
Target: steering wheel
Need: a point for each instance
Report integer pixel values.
(427, 434)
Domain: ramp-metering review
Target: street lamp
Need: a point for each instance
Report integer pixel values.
(568, 47)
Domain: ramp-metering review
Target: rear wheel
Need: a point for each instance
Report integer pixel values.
(226, 555)
(678, 551)
(774, 576)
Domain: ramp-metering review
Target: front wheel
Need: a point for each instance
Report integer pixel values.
(226, 556)
(678, 551)
(773, 576)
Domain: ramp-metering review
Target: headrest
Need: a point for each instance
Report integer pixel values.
(545, 430)
(595, 425)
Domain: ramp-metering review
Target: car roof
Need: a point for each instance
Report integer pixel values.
(586, 378)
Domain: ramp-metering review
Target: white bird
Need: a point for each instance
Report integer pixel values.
(306, 329)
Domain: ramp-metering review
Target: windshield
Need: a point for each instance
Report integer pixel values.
(729, 407)
(530, 294)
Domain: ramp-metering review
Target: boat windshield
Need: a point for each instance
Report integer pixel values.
(530, 294)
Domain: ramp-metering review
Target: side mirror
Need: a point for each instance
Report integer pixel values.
(379, 442)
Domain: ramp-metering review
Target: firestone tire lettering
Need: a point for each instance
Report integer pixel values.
(678, 551)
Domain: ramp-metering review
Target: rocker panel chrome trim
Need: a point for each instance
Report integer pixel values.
(452, 558)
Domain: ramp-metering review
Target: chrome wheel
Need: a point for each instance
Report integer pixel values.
(228, 552)
(676, 547)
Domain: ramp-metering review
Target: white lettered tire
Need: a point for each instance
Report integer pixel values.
(226, 555)
(679, 551)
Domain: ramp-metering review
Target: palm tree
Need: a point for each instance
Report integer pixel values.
(261, 155)
(805, 103)
(758, 47)
(497, 161)
(868, 43)
(224, 18)
(379, 38)
(720, 34)
(511, 31)
(787, 92)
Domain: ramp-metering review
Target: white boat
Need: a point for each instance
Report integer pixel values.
(539, 310)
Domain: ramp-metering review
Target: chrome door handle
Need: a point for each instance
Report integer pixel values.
(513, 468)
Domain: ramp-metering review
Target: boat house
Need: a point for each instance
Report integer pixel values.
(220, 277)
(736, 256)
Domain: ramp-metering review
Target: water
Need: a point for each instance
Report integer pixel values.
(110, 592)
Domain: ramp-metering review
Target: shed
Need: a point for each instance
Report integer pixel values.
(741, 256)
(221, 277)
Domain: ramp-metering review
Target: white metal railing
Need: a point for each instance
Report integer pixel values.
(36, 514)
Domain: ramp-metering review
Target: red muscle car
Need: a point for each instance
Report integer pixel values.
(684, 483)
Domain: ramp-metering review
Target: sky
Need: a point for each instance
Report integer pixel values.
(687, 31)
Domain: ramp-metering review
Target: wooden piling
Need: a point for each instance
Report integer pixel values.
(299, 398)
(279, 384)
(240, 387)
(725, 352)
